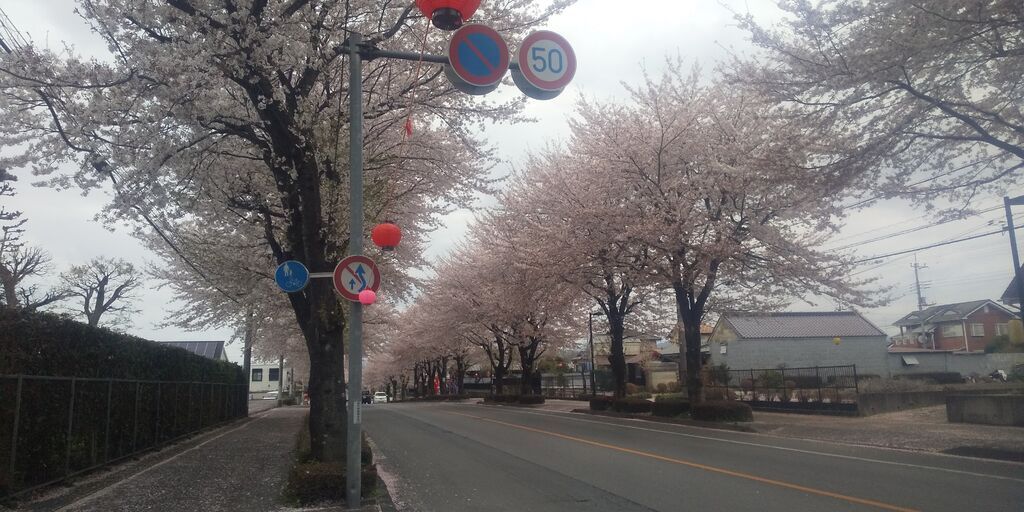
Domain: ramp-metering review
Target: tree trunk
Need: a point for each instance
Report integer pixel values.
(325, 341)
(692, 362)
(10, 288)
(527, 359)
(616, 355)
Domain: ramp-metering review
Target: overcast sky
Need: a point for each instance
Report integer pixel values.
(612, 45)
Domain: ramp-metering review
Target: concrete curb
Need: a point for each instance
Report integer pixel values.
(735, 427)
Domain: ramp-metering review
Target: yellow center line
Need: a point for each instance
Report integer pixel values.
(705, 467)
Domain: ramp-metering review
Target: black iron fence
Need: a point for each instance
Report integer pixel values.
(52, 428)
(815, 388)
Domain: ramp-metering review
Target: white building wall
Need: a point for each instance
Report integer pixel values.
(867, 352)
(265, 384)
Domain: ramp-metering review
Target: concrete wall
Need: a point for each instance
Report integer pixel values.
(986, 409)
(974, 363)
(868, 353)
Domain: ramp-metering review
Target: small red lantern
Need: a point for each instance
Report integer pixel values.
(367, 297)
(448, 14)
(386, 235)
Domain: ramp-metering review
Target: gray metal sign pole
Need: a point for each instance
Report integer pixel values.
(354, 394)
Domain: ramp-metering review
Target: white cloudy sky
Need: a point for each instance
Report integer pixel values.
(612, 46)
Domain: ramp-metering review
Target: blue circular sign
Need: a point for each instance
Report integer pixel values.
(478, 55)
(292, 276)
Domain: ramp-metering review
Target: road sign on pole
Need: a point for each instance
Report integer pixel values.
(292, 276)
(355, 274)
(478, 59)
(547, 63)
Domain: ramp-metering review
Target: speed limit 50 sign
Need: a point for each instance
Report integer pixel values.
(546, 61)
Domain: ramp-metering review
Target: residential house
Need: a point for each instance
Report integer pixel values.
(965, 326)
(804, 339)
(211, 349)
(670, 353)
(638, 348)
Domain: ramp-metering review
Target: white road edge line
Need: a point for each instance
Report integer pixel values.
(781, 448)
(104, 491)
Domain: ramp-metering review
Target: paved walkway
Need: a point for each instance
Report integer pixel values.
(242, 468)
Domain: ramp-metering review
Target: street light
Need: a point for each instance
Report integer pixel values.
(590, 325)
(1007, 203)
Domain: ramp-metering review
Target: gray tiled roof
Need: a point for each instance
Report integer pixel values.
(801, 325)
(210, 349)
(943, 313)
(1010, 295)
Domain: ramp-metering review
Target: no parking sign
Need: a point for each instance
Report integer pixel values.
(478, 59)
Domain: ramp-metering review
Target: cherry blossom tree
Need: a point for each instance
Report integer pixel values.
(725, 194)
(212, 115)
(919, 98)
(572, 226)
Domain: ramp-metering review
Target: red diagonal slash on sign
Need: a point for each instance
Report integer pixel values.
(479, 55)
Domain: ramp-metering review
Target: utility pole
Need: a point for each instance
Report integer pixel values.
(921, 304)
(1007, 203)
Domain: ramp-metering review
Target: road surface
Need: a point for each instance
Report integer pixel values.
(463, 456)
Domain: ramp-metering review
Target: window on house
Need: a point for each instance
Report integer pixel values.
(952, 331)
(257, 374)
(977, 330)
(1002, 330)
(274, 374)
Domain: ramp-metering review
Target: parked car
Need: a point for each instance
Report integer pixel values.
(380, 397)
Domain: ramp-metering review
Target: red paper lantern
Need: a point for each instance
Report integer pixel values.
(367, 297)
(386, 236)
(448, 14)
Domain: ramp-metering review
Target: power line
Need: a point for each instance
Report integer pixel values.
(932, 246)
(913, 229)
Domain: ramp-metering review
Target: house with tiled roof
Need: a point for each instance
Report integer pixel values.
(209, 349)
(964, 326)
(798, 339)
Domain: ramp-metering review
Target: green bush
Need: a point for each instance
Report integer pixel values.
(661, 387)
(601, 403)
(531, 399)
(632, 405)
(671, 408)
(722, 411)
(191, 395)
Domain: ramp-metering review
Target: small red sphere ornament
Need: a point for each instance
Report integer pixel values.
(367, 297)
(386, 235)
(448, 14)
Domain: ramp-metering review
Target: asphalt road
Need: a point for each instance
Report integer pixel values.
(453, 457)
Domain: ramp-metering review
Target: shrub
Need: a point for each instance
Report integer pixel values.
(670, 408)
(632, 389)
(601, 403)
(674, 387)
(531, 399)
(717, 394)
(937, 377)
(632, 405)
(661, 387)
(722, 411)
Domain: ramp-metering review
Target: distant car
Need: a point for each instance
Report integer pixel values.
(380, 397)
(270, 396)
(367, 398)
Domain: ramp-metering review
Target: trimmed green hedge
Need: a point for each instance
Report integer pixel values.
(601, 403)
(722, 411)
(194, 392)
(671, 408)
(515, 399)
(632, 405)
(37, 343)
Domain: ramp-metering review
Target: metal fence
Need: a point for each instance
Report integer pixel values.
(52, 428)
(815, 388)
(567, 385)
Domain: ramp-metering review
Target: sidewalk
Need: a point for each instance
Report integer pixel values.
(242, 468)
